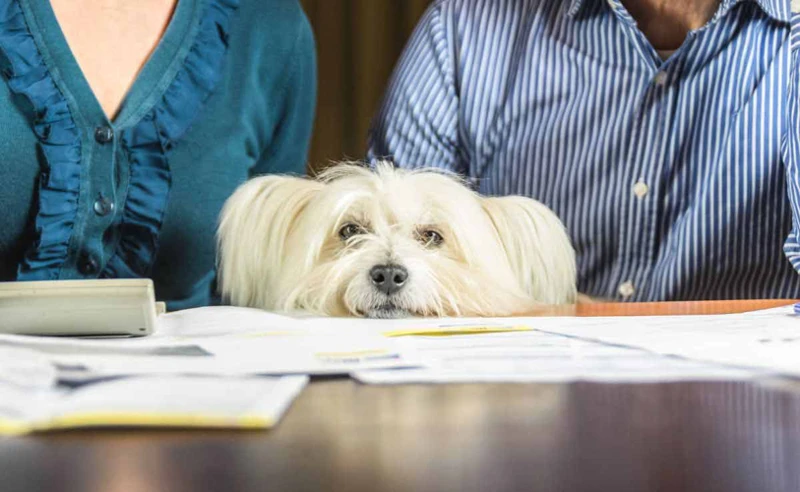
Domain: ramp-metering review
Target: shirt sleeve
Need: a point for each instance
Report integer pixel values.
(287, 152)
(791, 152)
(417, 124)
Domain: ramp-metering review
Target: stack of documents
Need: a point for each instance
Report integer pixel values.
(766, 340)
(212, 367)
(237, 367)
(542, 357)
(611, 349)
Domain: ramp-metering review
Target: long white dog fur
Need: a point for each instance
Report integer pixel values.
(323, 246)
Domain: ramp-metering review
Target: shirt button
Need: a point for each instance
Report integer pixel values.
(640, 189)
(626, 289)
(103, 206)
(103, 134)
(660, 78)
(88, 265)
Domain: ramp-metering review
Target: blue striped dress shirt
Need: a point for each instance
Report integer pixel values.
(676, 179)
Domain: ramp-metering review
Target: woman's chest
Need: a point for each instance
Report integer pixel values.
(111, 40)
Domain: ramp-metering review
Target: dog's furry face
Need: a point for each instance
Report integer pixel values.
(390, 243)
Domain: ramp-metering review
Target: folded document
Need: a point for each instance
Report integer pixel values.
(160, 401)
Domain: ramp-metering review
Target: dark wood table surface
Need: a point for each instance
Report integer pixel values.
(340, 435)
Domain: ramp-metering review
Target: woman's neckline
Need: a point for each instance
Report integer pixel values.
(146, 89)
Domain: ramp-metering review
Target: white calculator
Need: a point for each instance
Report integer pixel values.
(113, 307)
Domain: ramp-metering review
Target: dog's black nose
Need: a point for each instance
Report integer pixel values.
(388, 278)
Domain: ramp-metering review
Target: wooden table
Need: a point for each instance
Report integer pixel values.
(726, 436)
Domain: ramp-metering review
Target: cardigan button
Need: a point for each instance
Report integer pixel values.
(103, 134)
(88, 265)
(103, 206)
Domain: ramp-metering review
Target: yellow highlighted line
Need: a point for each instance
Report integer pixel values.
(11, 427)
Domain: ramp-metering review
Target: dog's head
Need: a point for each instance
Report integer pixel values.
(389, 243)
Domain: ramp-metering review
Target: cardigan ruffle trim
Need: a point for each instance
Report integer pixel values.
(150, 140)
(59, 142)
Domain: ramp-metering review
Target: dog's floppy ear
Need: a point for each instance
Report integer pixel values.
(253, 229)
(537, 247)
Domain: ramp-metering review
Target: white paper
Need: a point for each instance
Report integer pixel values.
(222, 341)
(238, 341)
(26, 368)
(547, 354)
(277, 355)
(254, 402)
(542, 357)
(767, 339)
(223, 321)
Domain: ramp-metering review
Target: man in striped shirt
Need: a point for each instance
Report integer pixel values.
(665, 134)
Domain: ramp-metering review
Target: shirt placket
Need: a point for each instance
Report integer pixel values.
(641, 175)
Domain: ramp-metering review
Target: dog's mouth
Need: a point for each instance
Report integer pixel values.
(387, 311)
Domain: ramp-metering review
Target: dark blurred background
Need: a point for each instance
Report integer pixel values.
(358, 43)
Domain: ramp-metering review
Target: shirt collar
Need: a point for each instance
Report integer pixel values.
(777, 9)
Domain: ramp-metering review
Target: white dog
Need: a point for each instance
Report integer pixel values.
(390, 243)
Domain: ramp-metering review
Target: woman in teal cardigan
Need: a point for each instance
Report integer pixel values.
(98, 186)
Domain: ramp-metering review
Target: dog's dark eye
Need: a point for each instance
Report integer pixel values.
(349, 230)
(429, 237)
